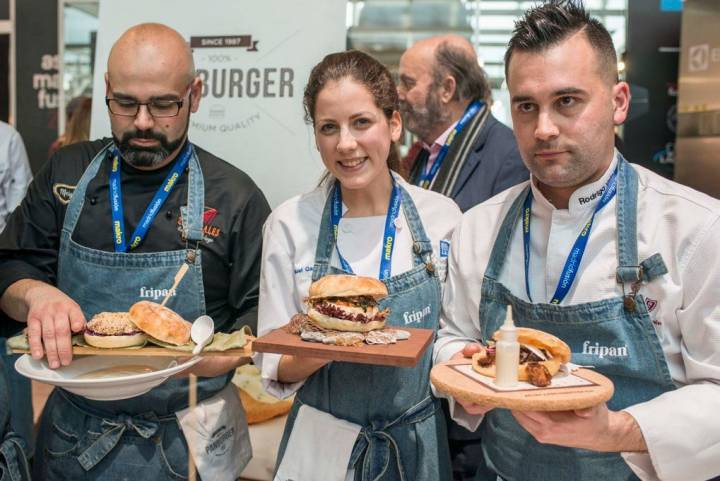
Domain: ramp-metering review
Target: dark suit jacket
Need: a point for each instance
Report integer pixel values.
(493, 165)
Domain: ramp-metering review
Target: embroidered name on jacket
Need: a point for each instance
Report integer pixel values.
(591, 197)
(63, 192)
(416, 316)
(604, 351)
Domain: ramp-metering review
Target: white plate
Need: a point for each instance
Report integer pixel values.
(104, 389)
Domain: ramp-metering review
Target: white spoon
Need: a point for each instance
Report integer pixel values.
(201, 332)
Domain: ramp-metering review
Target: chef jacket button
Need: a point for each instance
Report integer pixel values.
(93, 200)
(168, 214)
(346, 228)
(417, 248)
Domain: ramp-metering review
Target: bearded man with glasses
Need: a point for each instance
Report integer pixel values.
(108, 223)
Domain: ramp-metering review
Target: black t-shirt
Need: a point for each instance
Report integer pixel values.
(235, 210)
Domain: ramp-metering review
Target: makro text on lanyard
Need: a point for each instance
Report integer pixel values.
(572, 263)
(426, 178)
(388, 243)
(116, 204)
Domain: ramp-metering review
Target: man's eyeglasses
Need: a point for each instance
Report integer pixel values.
(157, 108)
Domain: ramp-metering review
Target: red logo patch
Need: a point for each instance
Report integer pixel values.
(651, 304)
(209, 215)
(210, 231)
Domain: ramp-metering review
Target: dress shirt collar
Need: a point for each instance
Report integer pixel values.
(440, 141)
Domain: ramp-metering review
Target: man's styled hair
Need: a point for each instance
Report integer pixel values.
(470, 80)
(548, 25)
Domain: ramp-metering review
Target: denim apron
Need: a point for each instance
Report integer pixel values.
(129, 439)
(403, 434)
(512, 453)
(13, 462)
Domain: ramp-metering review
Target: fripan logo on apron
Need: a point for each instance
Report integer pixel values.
(220, 441)
(155, 294)
(604, 351)
(417, 316)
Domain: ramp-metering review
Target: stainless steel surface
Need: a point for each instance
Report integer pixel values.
(698, 163)
(697, 148)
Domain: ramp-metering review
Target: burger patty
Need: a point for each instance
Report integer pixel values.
(334, 311)
(526, 355)
(121, 333)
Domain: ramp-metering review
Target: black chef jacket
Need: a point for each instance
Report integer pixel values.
(235, 210)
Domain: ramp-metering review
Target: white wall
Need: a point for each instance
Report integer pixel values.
(258, 124)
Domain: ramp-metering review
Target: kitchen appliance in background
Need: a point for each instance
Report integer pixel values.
(697, 151)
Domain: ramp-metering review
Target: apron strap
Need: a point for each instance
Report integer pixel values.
(374, 442)
(13, 463)
(113, 429)
(422, 246)
(629, 270)
(504, 236)
(192, 226)
(326, 240)
(77, 200)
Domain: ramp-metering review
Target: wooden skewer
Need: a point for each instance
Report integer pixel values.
(192, 388)
(178, 277)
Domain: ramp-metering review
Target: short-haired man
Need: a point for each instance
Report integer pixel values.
(110, 222)
(444, 100)
(638, 301)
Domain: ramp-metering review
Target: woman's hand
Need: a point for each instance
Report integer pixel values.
(212, 366)
(298, 368)
(470, 407)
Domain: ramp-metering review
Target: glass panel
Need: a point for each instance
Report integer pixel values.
(80, 29)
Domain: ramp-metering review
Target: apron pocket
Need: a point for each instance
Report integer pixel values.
(62, 442)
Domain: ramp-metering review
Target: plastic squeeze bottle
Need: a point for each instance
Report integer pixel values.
(507, 353)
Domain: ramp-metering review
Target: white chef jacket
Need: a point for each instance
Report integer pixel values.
(681, 428)
(290, 238)
(15, 174)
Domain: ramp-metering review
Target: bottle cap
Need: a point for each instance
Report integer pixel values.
(508, 332)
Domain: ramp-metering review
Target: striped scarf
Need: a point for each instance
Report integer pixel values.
(446, 178)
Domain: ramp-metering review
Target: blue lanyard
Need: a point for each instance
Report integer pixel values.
(578, 250)
(153, 208)
(427, 177)
(388, 237)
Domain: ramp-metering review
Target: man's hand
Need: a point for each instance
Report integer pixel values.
(52, 317)
(470, 407)
(596, 428)
(211, 366)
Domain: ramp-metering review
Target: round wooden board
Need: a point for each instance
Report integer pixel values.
(447, 379)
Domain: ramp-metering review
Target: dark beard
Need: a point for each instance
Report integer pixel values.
(148, 157)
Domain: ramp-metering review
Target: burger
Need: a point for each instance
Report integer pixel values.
(347, 303)
(541, 355)
(160, 322)
(113, 329)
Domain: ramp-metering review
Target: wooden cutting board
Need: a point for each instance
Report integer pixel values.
(448, 379)
(405, 353)
(152, 350)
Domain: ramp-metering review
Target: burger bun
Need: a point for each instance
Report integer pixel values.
(343, 285)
